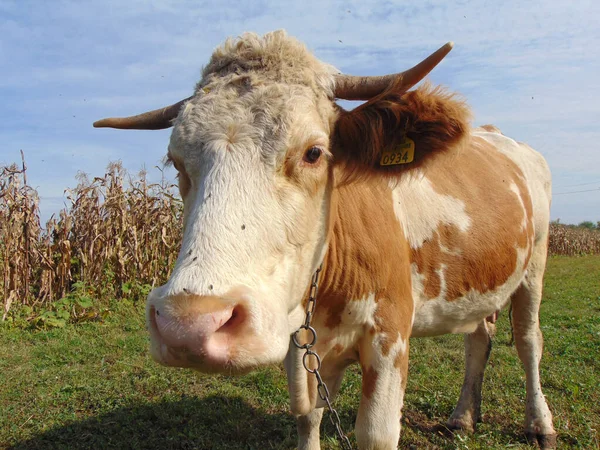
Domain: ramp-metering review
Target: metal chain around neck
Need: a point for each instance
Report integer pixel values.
(322, 389)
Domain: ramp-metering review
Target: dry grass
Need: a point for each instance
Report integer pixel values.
(119, 236)
(119, 233)
(573, 241)
(19, 235)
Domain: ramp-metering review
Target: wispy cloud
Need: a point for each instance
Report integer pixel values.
(528, 67)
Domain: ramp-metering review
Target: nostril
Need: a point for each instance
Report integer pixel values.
(231, 320)
(236, 318)
(157, 312)
(153, 322)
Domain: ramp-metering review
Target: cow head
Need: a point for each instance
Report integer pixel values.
(257, 148)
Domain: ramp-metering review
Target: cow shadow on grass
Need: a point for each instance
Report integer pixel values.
(213, 422)
(432, 432)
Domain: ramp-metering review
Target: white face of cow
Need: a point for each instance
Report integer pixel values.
(254, 173)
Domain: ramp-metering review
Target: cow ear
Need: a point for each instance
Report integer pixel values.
(398, 131)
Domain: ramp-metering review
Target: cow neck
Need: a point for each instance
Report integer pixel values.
(364, 239)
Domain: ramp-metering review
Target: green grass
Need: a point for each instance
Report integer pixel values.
(93, 385)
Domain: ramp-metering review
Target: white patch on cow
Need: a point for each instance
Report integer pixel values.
(375, 422)
(443, 284)
(446, 250)
(421, 210)
(357, 317)
(398, 347)
(514, 188)
(360, 312)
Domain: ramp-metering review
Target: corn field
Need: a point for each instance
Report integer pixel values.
(573, 241)
(118, 232)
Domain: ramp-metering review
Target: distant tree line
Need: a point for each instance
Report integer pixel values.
(587, 224)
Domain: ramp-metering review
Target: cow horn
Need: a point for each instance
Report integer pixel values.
(350, 87)
(151, 120)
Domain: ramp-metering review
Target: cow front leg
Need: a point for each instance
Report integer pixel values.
(477, 351)
(309, 424)
(384, 367)
(308, 430)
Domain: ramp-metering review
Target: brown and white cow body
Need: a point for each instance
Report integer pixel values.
(420, 249)
(465, 246)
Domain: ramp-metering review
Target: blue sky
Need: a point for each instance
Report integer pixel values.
(531, 68)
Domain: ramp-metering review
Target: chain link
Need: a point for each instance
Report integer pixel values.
(322, 389)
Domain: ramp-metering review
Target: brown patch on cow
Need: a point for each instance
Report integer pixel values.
(433, 118)
(485, 256)
(338, 348)
(369, 380)
(368, 255)
(336, 309)
(393, 317)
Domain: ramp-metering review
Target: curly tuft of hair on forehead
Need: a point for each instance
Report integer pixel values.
(274, 57)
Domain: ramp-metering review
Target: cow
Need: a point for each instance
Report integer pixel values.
(422, 225)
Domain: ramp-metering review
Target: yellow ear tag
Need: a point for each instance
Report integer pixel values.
(404, 153)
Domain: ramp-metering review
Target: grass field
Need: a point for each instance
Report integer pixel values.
(93, 385)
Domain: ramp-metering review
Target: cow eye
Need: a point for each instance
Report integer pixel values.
(312, 155)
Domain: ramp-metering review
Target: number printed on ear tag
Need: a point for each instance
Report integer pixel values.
(404, 153)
